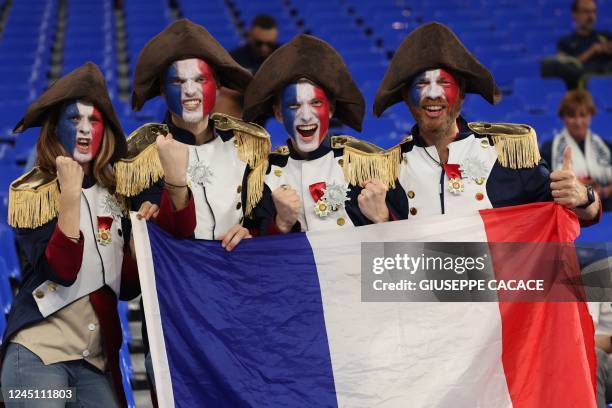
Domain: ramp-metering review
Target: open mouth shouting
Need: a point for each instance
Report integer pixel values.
(192, 105)
(307, 132)
(83, 145)
(434, 111)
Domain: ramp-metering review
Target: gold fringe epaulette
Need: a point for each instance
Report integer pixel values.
(281, 151)
(255, 186)
(516, 145)
(141, 168)
(365, 161)
(252, 140)
(33, 199)
(253, 145)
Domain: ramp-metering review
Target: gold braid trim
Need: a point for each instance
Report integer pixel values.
(255, 186)
(141, 168)
(366, 161)
(33, 199)
(516, 145)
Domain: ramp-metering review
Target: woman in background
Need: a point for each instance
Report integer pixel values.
(591, 158)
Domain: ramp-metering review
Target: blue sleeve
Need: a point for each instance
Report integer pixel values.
(507, 187)
(152, 194)
(397, 202)
(33, 242)
(546, 153)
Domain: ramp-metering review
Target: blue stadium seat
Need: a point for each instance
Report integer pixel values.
(122, 310)
(602, 125)
(475, 108)
(546, 126)
(533, 92)
(601, 89)
(6, 292)
(505, 72)
(278, 134)
(8, 251)
(3, 207)
(382, 132)
(127, 374)
(598, 233)
(25, 144)
(2, 325)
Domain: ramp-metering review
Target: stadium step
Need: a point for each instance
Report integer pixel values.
(58, 43)
(123, 59)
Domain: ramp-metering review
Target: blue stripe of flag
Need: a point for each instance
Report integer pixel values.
(244, 328)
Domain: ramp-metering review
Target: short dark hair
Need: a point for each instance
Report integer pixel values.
(575, 5)
(264, 21)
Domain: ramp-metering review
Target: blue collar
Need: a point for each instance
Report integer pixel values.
(183, 135)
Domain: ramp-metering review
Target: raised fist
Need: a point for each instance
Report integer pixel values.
(372, 202)
(287, 203)
(174, 158)
(69, 175)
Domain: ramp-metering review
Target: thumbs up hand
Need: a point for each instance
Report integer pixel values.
(567, 159)
(565, 187)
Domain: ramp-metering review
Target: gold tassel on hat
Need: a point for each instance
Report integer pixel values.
(365, 161)
(141, 168)
(255, 186)
(516, 145)
(33, 199)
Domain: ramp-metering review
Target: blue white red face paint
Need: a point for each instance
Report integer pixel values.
(80, 129)
(435, 91)
(190, 89)
(306, 113)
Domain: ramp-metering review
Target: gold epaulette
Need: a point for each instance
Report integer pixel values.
(33, 199)
(253, 145)
(516, 145)
(252, 140)
(281, 151)
(407, 139)
(365, 161)
(141, 168)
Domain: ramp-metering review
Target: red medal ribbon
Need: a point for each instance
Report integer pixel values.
(105, 223)
(317, 190)
(452, 171)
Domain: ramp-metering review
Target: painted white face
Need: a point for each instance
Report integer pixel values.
(190, 89)
(306, 114)
(80, 129)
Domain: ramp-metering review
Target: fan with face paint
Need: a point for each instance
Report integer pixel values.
(80, 129)
(434, 98)
(305, 111)
(190, 89)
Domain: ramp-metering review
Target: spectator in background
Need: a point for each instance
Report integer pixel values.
(591, 155)
(262, 40)
(584, 52)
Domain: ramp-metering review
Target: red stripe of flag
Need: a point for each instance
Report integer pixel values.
(548, 349)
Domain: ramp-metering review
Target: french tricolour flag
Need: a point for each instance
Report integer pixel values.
(279, 322)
